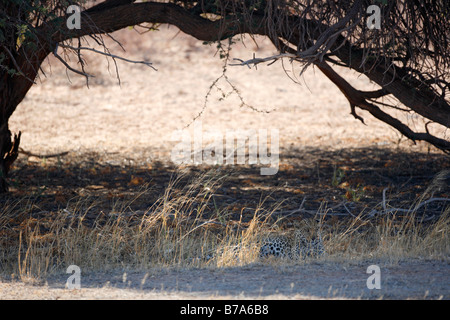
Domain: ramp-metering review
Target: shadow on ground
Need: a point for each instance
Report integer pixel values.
(320, 179)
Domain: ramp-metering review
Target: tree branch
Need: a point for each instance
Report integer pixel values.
(358, 98)
(148, 64)
(84, 74)
(120, 17)
(255, 61)
(328, 38)
(428, 105)
(442, 144)
(108, 4)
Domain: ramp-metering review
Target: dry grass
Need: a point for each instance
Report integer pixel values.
(184, 229)
(392, 238)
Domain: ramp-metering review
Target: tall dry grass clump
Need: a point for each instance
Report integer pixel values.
(182, 228)
(390, 238)
(398, 233)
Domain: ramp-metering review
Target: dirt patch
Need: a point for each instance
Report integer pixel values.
(404, 280)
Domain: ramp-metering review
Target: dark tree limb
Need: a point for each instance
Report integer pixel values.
(108, 4)
(359, 99)
(409, 92)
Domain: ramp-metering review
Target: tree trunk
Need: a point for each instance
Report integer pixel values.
(9, 99)
(13, 88)
(5, 134)
(9, 150)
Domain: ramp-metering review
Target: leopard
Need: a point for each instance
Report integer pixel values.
(295, 246)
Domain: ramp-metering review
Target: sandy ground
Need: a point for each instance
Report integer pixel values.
(137, 119)
(404, 280)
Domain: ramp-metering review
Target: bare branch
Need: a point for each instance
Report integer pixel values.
(374, 94)
(358, 98)
(84, 74)
(409, 57)
(256, 61)
(442, 144)
(148, 64)
(329, 37)
(395, 210)
(353, 113)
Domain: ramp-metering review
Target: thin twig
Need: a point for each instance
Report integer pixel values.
(384, 199)
(329, 37)
(385, 211)
(313, 212)
(148, 64)
(254, 61)
(68, 66)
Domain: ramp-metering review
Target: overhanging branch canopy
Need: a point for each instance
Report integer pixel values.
(409, 56)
